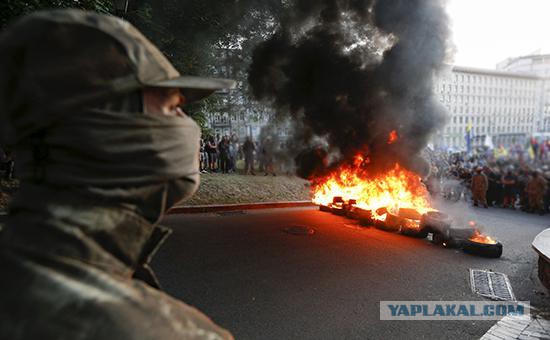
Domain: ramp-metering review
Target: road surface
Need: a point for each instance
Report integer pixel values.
(260, 282)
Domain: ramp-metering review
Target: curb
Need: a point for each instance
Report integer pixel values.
(199, 209)
(519, 327)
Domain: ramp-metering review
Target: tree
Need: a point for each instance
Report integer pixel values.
(12, 9)
(210, 37)
(194, 34)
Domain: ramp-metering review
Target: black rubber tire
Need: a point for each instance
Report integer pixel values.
(339, 212)
(363, 216)
(325, 208)
(438, 238)
(437, 215)
(392, 223)
(367, 222)
(451, 243)
(422, 233)
(436, 220)
(484, 250)
(383, 226)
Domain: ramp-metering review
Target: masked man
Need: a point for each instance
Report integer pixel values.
(91, 108)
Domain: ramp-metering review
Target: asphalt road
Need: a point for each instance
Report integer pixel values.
(260, 282)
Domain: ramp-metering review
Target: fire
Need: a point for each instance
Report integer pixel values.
(480, 238)
(396, 189)
(392, 137)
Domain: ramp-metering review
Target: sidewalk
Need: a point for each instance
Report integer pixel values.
(519, 327)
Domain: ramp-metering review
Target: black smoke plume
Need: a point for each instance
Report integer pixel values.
(348, 72)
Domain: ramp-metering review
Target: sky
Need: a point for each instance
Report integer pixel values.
(486, 32)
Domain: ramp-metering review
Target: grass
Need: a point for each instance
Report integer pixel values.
(226, 189)
(234, 188)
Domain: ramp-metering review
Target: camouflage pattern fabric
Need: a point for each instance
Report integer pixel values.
(97, 175)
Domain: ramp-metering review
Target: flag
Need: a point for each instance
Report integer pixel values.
(469, 137)
(531, 152)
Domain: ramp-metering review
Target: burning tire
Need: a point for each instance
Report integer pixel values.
(445, 239)
(417, 233)
(411, 226)
(338, 211)
(482, 249)
(338, 206)
(409, 213)
(392, 223)
(410, 223)
(325, 208)
(438, 238)
(406, 222)
(436, 221)
(363, 216)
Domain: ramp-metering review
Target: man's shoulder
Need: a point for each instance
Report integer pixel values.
(80, 302)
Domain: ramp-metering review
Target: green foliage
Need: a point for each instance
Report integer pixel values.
(12, 9)
(197, 112)
(210, 38)
(200, 37)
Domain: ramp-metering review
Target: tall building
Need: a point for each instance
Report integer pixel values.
(503, 106)
(235, 112)
(535, 64)
(495, 106)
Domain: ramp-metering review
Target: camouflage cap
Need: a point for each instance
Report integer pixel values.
(92, 55)
(54, 62)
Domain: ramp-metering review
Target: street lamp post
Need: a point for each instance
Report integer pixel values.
(121, 6)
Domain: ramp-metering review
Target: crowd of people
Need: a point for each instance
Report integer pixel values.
(220, 154)
(506, 178)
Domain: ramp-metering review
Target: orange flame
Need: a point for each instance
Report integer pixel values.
(480, 238)
(392, 138)
(396, 189)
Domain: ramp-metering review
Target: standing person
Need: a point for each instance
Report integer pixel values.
(536, 189)
(223, 152)
(535, 146)
(203, 157)
(480, 185)
(499, 189)
(217, 141)
(76, 245)
(207, 151)
(233, 154)
(523, 179)
(248, 150)
(542, 151)
(491, 191)
(433, 182)
(212, 154)
(509, 187)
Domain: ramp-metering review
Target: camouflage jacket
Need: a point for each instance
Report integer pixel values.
(62, 282)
